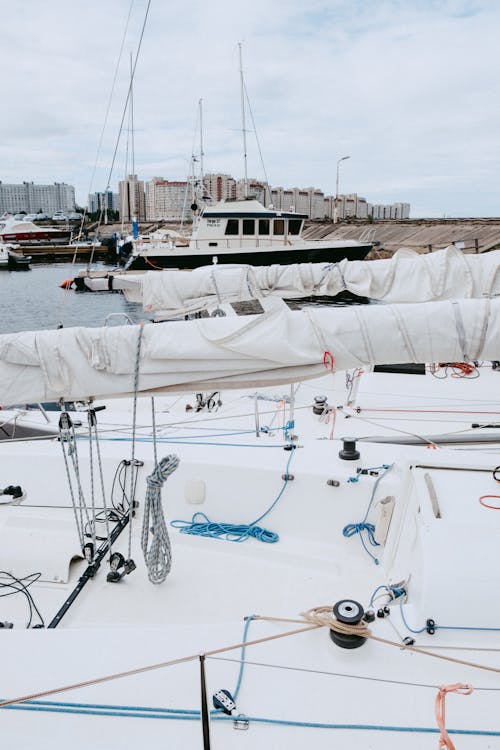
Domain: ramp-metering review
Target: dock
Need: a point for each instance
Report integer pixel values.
(66, 253)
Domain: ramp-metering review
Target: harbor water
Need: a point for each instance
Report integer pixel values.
(33, 300)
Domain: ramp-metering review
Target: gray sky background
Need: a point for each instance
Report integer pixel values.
(409, 90)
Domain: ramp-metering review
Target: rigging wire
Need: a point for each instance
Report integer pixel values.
(20, 586)
(120, 129)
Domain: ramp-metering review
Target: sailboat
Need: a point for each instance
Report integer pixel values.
(286, 589)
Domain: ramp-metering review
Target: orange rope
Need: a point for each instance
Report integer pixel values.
(489, 497)
(158, 268)
(458, 687)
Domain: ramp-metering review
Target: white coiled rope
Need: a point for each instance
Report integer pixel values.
(158, 554)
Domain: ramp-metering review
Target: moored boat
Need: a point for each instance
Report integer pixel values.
(28, 233)
(242, 231)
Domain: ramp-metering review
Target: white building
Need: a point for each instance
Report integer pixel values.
(33, 198)
(167, 200)
(131, 199)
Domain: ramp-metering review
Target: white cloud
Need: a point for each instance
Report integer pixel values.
(407, 89)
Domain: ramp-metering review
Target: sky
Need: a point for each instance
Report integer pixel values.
(408, 89)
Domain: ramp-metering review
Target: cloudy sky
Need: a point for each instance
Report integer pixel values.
(407, 88)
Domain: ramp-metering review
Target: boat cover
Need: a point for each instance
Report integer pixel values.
(406, 277)
(279, 346)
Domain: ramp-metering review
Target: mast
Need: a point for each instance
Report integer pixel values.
(201, 148)
(243, 123)
(132, 113)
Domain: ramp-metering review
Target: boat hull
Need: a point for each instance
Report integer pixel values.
(254, 257)
(33, 238)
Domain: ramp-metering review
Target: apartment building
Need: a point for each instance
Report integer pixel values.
(131, 202)
(168, 200)
(33, 198)
(220, 187)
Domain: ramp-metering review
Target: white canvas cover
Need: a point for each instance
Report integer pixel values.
(406, 277)
(278, 346)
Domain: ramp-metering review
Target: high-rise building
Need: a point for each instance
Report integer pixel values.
(167, 199)
(32, 198)
(104, 200)
(220, 187)
(131, 203)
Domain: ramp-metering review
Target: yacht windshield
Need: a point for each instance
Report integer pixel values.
(294, 226)
(232, 226)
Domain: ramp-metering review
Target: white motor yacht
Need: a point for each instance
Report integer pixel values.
(242, 231)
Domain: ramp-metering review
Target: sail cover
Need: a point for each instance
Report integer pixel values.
(406, 277)
(279, 346)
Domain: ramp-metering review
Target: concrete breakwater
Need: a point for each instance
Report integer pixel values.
(421, 235)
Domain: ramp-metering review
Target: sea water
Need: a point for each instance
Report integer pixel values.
(33, 300)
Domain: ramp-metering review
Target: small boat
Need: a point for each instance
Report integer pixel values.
(242, 231)
(28, 233)
(13, 261)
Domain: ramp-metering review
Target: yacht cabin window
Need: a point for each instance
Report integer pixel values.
(248, 226)
(279, 226)
(232, 226)
(294, 226)
(263, 226)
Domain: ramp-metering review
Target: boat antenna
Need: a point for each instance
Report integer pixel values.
(243, 124)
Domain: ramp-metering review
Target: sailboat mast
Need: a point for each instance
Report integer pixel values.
(243, 122)
(201, 147)
(132, 113)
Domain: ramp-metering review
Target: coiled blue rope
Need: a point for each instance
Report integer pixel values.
(358, 528)
(201, 525)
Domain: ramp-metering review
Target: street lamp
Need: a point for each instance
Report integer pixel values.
(336, 210)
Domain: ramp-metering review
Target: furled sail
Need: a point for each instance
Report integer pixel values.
(278, 346)
(406, 277)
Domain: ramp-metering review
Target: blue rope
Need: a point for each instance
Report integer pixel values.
(201, 525)
(357, 528)
(354, 479)
(145, 712)
(182, 442)
(443, 627)
(242, 656)
(392, 592)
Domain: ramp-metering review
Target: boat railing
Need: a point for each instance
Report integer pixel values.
(235, 241)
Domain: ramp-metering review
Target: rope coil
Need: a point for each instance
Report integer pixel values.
(323, 616)
(158, 553)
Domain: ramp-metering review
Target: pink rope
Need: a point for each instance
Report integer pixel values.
(457, 687)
